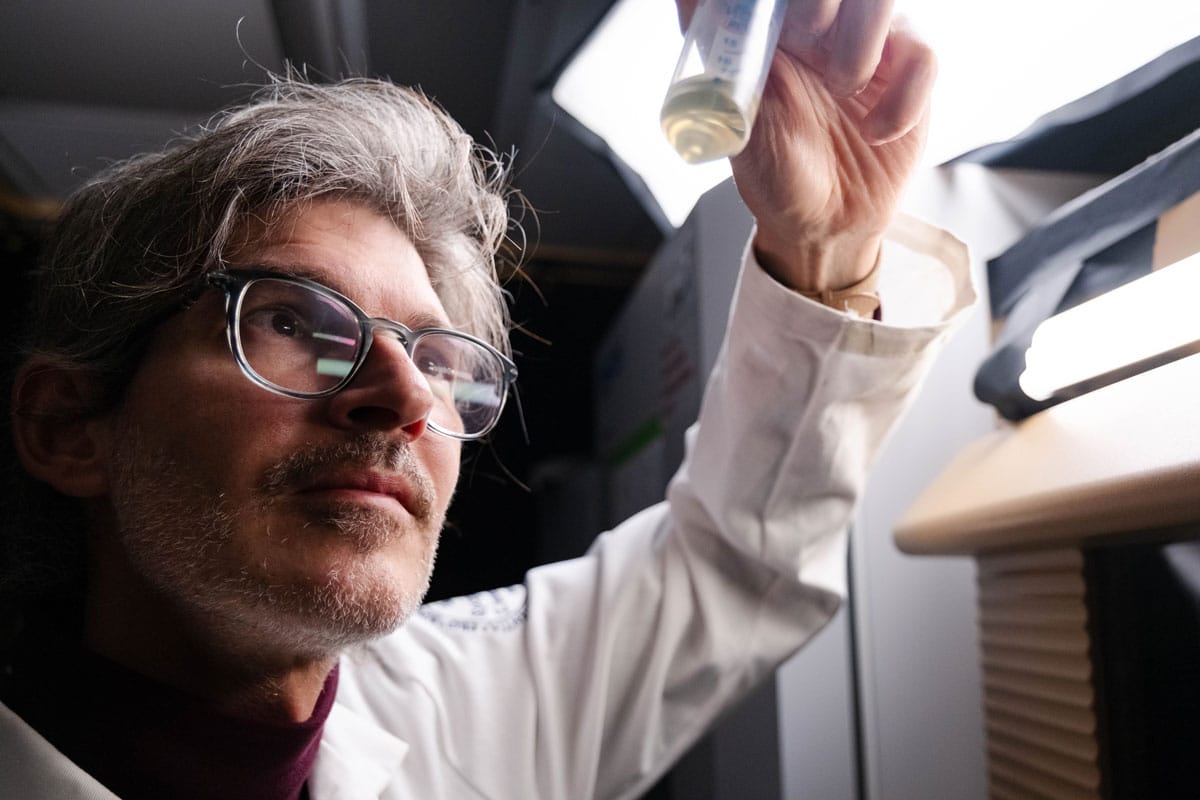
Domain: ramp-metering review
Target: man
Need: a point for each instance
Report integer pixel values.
(251, 364)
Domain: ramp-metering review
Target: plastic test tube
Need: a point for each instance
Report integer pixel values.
(713, 98)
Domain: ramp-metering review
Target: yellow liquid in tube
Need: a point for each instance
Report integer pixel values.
(718, 81)
(701, 120)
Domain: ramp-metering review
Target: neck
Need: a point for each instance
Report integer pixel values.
(235, 670)
(141, 738)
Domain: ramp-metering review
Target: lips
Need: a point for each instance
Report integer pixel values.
(368, 469)
(362, 484)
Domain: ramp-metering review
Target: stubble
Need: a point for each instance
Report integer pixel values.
(184, 538)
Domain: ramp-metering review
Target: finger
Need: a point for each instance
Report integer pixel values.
(804, 27)
(855, 44)
(686, 9)
(908, 70)
(808, 17)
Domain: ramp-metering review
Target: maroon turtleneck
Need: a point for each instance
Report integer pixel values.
(143, 739)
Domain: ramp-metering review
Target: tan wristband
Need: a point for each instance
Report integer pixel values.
(861, 299)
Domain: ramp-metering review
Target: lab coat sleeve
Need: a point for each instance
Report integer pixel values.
(592, 678)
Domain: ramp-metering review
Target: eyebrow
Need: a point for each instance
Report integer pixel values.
(291, 270)
(418, 320)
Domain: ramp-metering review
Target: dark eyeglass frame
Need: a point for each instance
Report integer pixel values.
(235, 282)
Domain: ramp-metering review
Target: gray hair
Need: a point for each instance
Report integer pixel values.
(134, 244)
(138, 239)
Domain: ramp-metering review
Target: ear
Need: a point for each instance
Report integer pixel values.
(58, 436)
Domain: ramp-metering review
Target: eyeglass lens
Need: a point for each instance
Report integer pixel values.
(303, 341)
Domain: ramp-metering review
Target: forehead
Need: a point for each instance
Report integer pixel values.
(347, 247)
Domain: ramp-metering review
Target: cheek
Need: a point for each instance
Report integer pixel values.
(442, 457)
(214, 424)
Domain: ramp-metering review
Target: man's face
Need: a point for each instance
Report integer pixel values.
(303, 524)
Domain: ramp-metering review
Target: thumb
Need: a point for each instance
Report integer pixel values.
(686, 9)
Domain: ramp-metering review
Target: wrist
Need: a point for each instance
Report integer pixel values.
(817, 265)
(838, 273)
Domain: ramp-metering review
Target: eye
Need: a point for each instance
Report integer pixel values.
(439, 357)
(433, 364)
(284, 324)
(279, 320)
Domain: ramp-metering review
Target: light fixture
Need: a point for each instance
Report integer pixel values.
(616, 82)
(1133, 328)
(615, 86)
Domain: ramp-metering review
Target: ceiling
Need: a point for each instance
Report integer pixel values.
(84, 82)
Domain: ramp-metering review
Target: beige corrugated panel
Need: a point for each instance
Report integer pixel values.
(1038, 691)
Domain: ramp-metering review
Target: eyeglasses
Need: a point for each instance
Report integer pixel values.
(297, 338)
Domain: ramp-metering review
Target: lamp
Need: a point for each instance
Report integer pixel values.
(1131, 329)
(615, 86)
(615, 83)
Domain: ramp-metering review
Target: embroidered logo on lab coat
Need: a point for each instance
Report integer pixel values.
(495, 611)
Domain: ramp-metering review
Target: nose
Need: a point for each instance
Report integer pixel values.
(388, 392)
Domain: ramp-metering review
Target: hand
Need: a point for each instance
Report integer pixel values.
(840, 128)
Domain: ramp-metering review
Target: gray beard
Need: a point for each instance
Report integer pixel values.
(178, 536)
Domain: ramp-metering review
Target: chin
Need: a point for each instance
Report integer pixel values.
(260, 581)
(346, 606)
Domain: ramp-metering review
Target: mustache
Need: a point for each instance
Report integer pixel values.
(365, 451)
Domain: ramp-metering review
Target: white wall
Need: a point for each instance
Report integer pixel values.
(818, 758)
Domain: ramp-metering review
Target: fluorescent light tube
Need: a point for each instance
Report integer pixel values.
(1130, 329)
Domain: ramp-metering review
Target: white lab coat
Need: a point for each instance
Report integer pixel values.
(592, 677)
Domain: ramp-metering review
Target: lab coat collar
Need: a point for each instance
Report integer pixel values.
(32, 767)
(357, 758)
